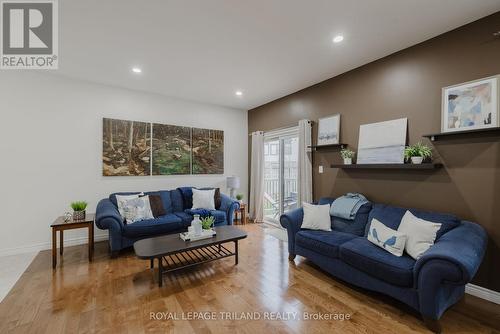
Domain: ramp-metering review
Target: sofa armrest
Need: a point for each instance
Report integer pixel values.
(292, 221)
(463, 247)
(442, 272)
(229, 205)
(107, 216)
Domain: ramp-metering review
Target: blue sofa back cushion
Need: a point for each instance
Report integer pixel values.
(187, 197)
(112, 197)
(391, 217)
(177, 200)
(356, 226)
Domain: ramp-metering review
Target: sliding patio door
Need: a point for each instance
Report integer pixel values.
(280, 173)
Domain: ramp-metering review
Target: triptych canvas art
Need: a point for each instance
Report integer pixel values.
(133, 148)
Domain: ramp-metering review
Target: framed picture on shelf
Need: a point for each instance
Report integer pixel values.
(470, 106)
(329, 130)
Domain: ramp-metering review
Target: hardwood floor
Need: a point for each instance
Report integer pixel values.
(119, 296)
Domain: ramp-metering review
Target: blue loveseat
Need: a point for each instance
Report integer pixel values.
(177, 204)
(429, 285)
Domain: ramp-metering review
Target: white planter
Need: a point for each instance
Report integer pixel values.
(347, 161)
(416, 160)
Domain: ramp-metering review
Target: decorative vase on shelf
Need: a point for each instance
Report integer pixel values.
(347, 161)
(417, 160)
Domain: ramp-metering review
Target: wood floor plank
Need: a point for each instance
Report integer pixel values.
(122, 296)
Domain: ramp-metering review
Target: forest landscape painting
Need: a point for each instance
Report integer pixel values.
(208, 151)
(126, 148)
(470, 106)
(171, 149)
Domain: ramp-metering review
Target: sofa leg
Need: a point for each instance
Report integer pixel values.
(114, 254)
(432, 324)
(291, 257)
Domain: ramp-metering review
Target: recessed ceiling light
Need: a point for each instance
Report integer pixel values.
(338, 39)
(239, 93)
(136, 70)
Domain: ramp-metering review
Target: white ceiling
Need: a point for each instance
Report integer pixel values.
(205, 50)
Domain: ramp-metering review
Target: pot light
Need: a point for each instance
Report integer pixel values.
(136, 70)
(239, 93)
(338, 39)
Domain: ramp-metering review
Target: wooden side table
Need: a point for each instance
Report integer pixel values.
(60, 225)
(242, 211)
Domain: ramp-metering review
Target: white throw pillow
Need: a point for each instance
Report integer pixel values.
(316, 217)
(386, 238)
(137, 209)
(421, 234)
(121, 200)
(203, 199)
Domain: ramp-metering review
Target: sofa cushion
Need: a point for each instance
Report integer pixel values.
(176, 200)
(112, 197)
(167, 201)
(220, 216)
(151, 227)
(391, 217)
(186, 218)
(187, 197)
(324, 242)
(365, 256)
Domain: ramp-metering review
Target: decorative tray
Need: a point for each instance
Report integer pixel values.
(205, 234)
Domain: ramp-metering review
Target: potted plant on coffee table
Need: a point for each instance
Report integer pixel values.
(417, 153)
(347, 155)
(207, 222)
(79, 210)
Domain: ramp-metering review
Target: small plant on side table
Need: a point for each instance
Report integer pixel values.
(239, 197)
(207, 222)
(418, 153)
(79, 210)
(347, 155)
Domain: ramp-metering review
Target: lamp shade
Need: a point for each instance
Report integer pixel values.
(233, 182)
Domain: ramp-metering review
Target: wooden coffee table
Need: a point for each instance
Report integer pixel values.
(173, 253)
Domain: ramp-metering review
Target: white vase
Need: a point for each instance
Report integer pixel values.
(417, 160)
(347, 161)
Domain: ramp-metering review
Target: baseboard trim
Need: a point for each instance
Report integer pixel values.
(483, 293)
(48, 245)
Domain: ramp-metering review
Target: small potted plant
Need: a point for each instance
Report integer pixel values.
(207, 222)
(418, 153)
(239, 197)
(347, 155)
(79, 210)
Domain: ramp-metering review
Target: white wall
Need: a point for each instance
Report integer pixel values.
(51, 146)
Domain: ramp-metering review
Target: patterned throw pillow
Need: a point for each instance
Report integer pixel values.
(386, 238)
(121, 201)
(137, 209)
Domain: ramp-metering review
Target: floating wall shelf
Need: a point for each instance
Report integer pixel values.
(327, 147)
(424, 166)
(455, 134)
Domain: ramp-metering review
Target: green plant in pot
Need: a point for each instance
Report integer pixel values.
(418, 153)
(79, 210)
(239, 197)
(207, 222)
(347, 155)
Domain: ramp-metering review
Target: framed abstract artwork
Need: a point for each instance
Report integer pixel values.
(382, 142)
(329, 130)
(471, 105)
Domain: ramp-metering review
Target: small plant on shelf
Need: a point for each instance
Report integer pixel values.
(418, 153)
(207, 222)
(79, 209)
(347, 155)
(239, 197)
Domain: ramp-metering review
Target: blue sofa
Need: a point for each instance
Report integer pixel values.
(429, 285)
(177, 204)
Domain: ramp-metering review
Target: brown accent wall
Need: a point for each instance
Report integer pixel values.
(408, 84)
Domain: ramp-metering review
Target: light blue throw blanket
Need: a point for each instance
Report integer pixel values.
(347, 206)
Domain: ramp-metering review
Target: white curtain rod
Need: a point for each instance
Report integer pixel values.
(278, 129)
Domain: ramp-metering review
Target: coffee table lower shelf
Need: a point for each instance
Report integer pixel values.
(193, 257)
